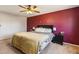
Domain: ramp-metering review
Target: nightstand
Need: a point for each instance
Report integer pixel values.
(59, 38)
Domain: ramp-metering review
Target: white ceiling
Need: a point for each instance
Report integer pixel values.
(14, 9)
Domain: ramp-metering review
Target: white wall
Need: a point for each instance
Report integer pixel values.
(10, 24)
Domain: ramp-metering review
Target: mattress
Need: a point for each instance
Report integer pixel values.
(31, 42)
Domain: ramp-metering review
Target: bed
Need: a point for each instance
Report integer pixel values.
(33, 42)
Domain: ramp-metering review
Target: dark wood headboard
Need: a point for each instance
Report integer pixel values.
(46, 26)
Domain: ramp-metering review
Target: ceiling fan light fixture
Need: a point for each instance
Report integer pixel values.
(29, 12)
(29, 9)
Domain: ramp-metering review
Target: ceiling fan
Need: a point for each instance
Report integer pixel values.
(29, 9)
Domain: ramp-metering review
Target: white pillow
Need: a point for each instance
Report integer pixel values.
(45, 30)
(48, 30)
(39, 30)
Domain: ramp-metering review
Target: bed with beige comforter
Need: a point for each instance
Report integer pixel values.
(31, 42)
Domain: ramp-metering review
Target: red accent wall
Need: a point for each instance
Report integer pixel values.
(65, 20)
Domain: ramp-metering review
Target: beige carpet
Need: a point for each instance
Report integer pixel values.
(53, 48)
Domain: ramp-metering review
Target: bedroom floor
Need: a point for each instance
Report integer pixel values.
(53, 48)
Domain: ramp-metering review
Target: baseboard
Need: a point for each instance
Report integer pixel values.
(71, 44)
(5, 37)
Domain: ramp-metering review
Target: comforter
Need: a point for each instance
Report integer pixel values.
(31, 42)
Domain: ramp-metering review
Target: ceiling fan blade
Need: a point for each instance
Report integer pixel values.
(37, 11)
(22, 6)
(23, 11)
